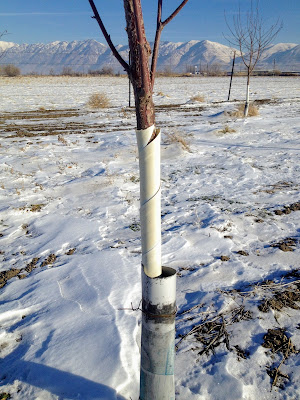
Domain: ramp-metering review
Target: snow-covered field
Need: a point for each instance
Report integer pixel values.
(70, 240)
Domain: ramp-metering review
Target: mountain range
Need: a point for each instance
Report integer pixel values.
(82, 56)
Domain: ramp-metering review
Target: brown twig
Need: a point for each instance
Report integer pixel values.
(277, 369)
(138, 308)
(194, 330)
(226, 335)
(190, 309)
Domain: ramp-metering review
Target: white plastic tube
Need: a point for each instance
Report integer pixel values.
(158, 336)
(150, 200)
(247, 101)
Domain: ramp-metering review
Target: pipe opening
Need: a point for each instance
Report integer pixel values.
(167, 271)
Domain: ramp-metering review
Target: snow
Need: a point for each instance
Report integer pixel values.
(67, 329)
(6, 45)
(278, 48)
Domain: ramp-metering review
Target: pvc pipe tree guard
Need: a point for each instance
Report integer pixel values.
(247, 101)
(158, 283)
(150, 199)
(158, 336)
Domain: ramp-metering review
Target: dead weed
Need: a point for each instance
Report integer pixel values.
(239, 112)
(98, 100)
(177, 138)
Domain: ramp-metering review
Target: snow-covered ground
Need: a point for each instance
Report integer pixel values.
(70, 240)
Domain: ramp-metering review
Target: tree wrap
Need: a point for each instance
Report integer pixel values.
(150, 200)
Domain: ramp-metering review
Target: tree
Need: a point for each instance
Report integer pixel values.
(157, 348)
(11, 70)
(251, 36)
(67, 71)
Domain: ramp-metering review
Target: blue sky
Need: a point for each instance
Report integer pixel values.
(44, 21)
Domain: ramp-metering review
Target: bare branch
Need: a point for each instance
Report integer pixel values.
(250, 36)
(166, 21)
(3, 33)
(159, 27)
(107, 37)
(159, 12)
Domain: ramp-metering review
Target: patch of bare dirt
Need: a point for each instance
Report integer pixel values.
(277, 187)
(49, 260)
(45, 123)
(224, 258)
(7, 275)
(277, 296)
(32, 208)
(278, 342)
(70, 252)
(243, 253)
(284, 299)
(177, 107)
(32, 265)
(288, 209)
(265, 101)
(40, 114)
(287, 244)
(22, 273)
(213, 332)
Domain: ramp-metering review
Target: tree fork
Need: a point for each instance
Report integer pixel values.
(139, 73)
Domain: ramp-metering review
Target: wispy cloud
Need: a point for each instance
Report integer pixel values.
(16, 14)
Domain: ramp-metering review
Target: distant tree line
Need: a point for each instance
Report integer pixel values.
(214, 69)
(12, 70)
(106, 70)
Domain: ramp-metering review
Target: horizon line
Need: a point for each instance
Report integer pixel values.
(162, 41)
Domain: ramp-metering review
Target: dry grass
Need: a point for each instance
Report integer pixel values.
(98, 100)
(226, 129)
(162, 94)
(177, 138)
(198, 98)
(62, 140)
(239, 112)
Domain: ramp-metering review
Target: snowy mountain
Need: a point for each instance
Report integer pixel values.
(5, 45)
(86, 55)
(286, 56)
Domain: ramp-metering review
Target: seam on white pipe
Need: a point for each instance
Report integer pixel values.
(150, 199)
(159, 189)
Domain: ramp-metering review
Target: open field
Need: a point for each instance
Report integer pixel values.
(70, 238)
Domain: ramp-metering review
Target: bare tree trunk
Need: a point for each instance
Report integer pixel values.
(247, 94)
(139, 73)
